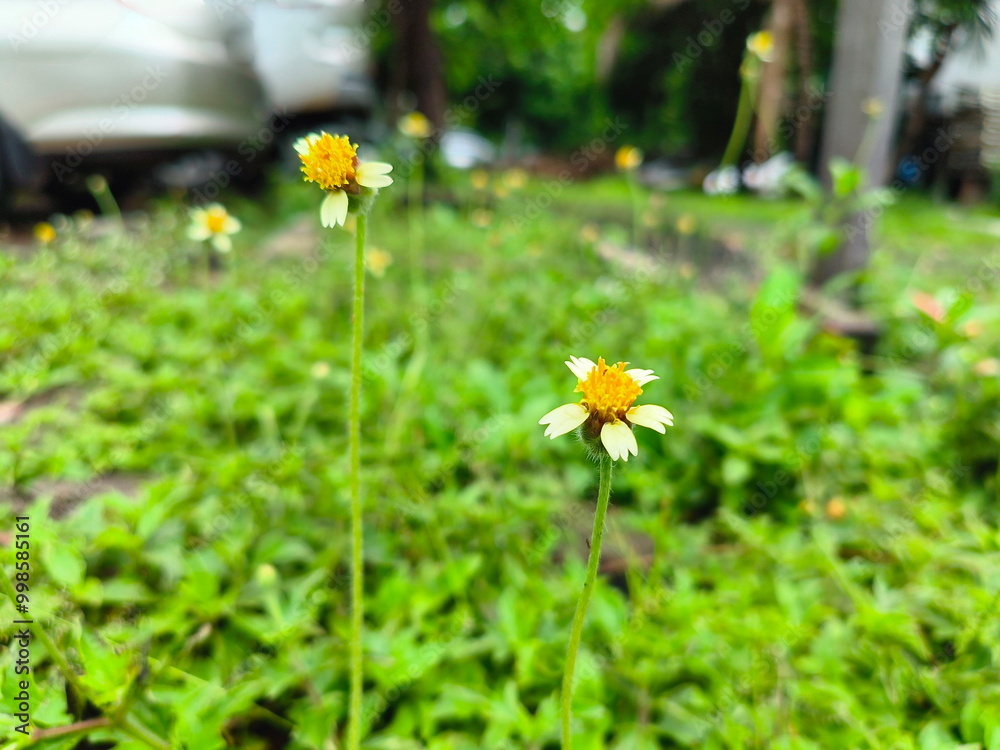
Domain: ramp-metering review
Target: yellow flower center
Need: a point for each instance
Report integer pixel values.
(608, 392)
(331, 162)
(215, 220)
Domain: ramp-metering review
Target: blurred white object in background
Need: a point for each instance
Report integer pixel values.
(722, 181)
(89, 76)
(313, 56)
(768, 178)
(119, 85)
(463, 148)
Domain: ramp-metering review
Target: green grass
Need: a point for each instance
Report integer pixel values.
(737, 607)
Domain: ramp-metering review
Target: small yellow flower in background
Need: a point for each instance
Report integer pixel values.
(415, 125)
(481, 217)
(628, 158)
(515, 178)
(331, 161)
(266, 575)
(377, 260)
(761, 45)
(872, 106)
(479, 178)
(84, 219)
(836, 509)
(590, 233)
(686, 224)
(213, 223)
(320, 370)
(501, 191)
(44, 232)
(606, 411)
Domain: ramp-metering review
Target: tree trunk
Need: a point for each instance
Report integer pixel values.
(805, 127)
(419, 68)
(867, 65)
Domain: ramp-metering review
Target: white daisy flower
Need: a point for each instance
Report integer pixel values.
(606, 409)
(213, 223)
(331, 161)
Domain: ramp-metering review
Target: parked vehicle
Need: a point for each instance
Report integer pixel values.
(128, 87)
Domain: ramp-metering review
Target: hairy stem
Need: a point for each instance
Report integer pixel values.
(603, 495)
(357, 536)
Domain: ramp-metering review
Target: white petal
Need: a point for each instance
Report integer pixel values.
(651, 416)
(372, 174)
(580, 366)
(333, 210)
(302, 145)
(198, 232)
(232, 225)
(619, 440)
(563, 419)
(375, 167)
(642, 377)
(222, 243)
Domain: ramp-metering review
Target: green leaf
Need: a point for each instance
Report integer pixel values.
(846, 177)
(735, 470)
(64, 563)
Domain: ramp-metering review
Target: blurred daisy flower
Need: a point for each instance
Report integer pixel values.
(873, 107)
(590, 233)
(686, 224)
(481, 217)
(836, 509)
(479, 178)
(44, 232)
(606, 412)
(515, 178)
(377, 260)
(761, 45)
(415, 125)
(628, 158)
(331, 161)
(213, 223)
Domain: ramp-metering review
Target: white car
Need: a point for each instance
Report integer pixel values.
(90, 83)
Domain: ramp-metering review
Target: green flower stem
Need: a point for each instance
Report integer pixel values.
(633, 192)
(744, 116)
(357, 536)
(127, 724)
(416, 227)
(603, 495)
(418, 358)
